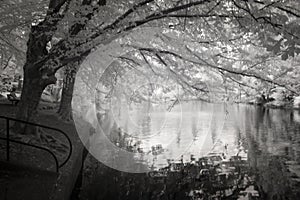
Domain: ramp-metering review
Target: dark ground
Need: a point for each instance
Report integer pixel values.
(30, 173)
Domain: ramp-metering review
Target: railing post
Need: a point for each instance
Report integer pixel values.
(7, 141)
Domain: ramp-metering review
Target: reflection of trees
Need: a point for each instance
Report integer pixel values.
(146, 125)
(194, 126)
(273, 177)
(267, 156)
(213, 127)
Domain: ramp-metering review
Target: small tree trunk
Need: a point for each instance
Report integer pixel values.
(65, 107)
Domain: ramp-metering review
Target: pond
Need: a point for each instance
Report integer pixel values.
(221, 150)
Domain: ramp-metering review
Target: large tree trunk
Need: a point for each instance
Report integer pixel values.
(27, 110)
(65, 108)
(34, 82)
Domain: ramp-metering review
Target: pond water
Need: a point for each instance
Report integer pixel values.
(266, 140)
(198, 128)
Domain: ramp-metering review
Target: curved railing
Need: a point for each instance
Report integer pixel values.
(8, 140)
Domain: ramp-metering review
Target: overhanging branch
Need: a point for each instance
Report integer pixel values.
(204, 62)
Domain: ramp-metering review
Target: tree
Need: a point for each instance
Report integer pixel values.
(64, 110)
(81, 26)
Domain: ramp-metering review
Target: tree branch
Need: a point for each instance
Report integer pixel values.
(128, 12)
(216, 67)
(179, 77)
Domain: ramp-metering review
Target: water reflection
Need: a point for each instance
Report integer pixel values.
(221, 151)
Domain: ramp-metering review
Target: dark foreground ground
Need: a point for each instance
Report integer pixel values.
(30, 172)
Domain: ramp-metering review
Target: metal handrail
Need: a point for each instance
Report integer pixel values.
(35, 146)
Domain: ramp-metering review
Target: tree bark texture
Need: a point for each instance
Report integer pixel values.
(65, 108)
(34, 82)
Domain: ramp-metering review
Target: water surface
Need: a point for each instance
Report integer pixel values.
(268, 139)
(222, 150)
